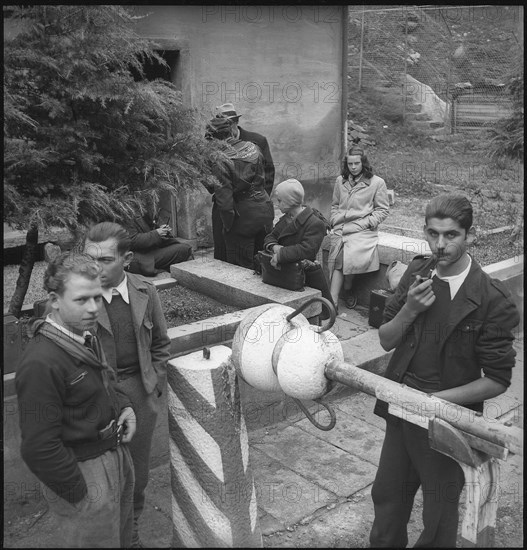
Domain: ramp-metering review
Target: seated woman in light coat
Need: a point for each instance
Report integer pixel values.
(359, 205)
(298, 234)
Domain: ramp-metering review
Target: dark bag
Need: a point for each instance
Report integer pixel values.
(290, 276)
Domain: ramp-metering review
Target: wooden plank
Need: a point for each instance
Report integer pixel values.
(499, 433)
(478, 443)
(481, 505)
(14, 238)
(471, 113)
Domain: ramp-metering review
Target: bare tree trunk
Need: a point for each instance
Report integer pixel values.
(24, 273)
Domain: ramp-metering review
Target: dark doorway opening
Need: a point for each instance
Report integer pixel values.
(153, 69)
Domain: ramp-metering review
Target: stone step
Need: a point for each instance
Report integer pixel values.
(239, 286)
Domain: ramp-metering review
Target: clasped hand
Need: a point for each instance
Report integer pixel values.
(164, 230)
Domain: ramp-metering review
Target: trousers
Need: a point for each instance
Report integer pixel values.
(407, 462)
(104, 518)
(146, 408)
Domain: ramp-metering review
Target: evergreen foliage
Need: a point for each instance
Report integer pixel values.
(83, 140)
(507, 135)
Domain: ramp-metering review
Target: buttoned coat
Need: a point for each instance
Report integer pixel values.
(153, 343)
(300, 238)
(356, 212)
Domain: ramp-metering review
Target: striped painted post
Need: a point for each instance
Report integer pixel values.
(213, 492)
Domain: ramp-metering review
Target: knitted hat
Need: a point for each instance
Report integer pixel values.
(290, 192)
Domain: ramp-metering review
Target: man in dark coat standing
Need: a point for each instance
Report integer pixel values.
(227, 110)
(241, 207)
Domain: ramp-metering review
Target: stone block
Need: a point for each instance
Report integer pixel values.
(397, 247)
(238, 286)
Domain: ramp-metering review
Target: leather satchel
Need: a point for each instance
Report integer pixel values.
(289, 275)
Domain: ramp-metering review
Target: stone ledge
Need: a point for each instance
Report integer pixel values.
(239, 286)
(15, 237)
(396, 247)
(208, 332)
(506, 268)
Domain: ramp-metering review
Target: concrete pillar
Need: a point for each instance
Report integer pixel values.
(213, 492)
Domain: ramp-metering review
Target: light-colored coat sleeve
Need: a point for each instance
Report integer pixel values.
(381, 204)
(336, 216)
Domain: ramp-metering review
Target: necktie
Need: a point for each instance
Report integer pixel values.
(89, 342)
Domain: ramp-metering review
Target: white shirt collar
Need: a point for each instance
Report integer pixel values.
(121, 288)
(72, 335)
(455, 281)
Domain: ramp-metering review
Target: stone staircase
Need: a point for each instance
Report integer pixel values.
(416, 112)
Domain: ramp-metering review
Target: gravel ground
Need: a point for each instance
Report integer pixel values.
(180, 305)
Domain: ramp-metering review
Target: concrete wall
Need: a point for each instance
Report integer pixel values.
(282, 68)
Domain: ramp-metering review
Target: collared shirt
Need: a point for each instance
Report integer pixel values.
(455, 281)
(121, 288)
(77, 337)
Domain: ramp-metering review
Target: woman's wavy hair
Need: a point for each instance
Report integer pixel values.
(367, 170)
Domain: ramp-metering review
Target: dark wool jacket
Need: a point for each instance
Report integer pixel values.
(301, 238)
(476, 338)
(143, 234)
(263, 145)
(144, 240)
(61, 401)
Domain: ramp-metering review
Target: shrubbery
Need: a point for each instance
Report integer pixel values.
(507, 135)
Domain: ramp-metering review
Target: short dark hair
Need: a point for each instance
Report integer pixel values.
(67, 263)
(367, 169)
(110, 230)
(454, 206)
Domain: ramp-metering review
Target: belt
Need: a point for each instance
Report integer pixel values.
(123, 375)
(253, 194)
(93, 449)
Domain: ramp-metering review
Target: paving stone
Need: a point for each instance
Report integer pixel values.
(282, 493)
(329, 467)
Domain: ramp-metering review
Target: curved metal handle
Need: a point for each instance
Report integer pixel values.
(327, 303)
(331, 412)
